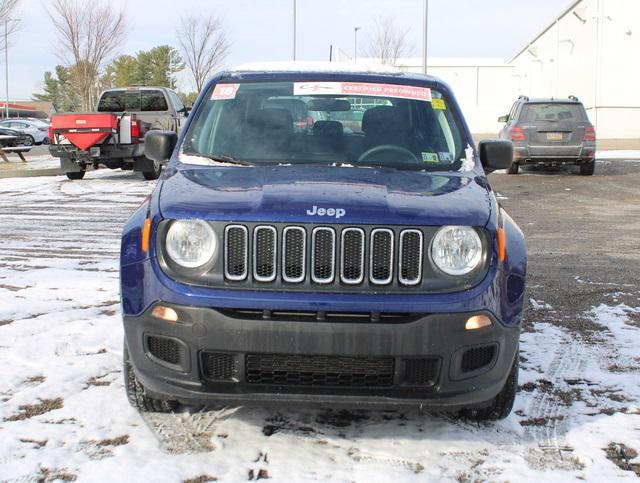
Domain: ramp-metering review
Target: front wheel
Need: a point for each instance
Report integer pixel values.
(502, 404)
(136, 392)
(73, 175)
(513, 169)
(154, 174)
(587, 169)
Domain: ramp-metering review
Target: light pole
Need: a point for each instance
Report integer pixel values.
(355, 44)
(425, 39)
(6, 61)
(294, 29)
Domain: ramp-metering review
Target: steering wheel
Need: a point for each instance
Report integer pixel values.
(392, 150)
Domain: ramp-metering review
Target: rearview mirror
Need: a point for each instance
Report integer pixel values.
(503, 118)
(495, 154)
(329, 104)
(159, 145)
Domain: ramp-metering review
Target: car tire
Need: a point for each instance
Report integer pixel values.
(155, 174)
(502, 404)
(136, 393)
(29, 141)
(587, 169)
(74, 175)
(513, 169)
(46, 141)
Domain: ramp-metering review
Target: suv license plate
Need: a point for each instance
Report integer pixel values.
(554, 136)
(94, 152)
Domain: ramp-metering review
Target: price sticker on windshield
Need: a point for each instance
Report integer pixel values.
(223, 92)
(362, 89)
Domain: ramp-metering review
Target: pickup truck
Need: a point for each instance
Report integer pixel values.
(367, 267)
(113, 136)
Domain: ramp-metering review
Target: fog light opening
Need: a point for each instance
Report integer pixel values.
(477, 322)
(165, 313)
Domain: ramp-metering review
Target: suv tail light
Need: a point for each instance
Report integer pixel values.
(589, 133)
(517, 134)
(136, 129)
(51, 138)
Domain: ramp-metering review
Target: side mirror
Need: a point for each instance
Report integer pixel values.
(503, 119)
(186, 110)
(158, 145)
(495, 155)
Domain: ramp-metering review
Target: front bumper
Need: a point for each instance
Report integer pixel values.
(306, 346)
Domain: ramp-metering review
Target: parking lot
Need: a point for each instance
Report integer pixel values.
(65, 415)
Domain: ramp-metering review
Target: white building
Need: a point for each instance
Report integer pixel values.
(591, 50)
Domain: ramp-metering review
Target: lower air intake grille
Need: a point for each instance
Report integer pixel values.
(218, 366)
(476, 358)
(166, 350)
(421, 372)
(304, 370)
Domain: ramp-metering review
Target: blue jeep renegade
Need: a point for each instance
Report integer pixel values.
(324, 237)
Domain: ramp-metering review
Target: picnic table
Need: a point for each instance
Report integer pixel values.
(8, 145)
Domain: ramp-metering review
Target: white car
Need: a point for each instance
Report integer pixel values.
(36, 131)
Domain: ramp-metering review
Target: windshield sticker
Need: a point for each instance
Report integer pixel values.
(445, 157)
(362, 89)
(430, 158)
(222, 92)
(439, 104)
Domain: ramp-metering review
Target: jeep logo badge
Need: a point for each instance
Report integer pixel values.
(337, 212)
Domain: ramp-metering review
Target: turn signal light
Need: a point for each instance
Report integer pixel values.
(502, 246)
(146, 234)
(477, 322)
(165, 313)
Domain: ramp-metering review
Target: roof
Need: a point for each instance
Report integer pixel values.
(547, 28)
(564, 100)
(328, 70)
(310, 66)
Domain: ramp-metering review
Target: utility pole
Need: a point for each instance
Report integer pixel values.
(355, 44)
(294, 29)
(6, 61)
(425, 39)
(6, 66)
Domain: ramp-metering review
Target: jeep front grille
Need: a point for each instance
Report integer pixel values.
(323, 256)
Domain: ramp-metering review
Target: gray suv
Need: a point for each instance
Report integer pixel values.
(550, 132)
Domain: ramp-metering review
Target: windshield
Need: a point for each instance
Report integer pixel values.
(554, 112)
(352, 123)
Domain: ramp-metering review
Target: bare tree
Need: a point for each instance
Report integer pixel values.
(89, 33)
(387, 42)
(204, 45)
(7, 8)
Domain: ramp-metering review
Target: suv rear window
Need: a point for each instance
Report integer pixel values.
(553, 112)
(141, 101)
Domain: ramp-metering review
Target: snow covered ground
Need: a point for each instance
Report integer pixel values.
(64, 414)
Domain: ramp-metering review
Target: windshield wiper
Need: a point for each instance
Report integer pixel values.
(222, 158)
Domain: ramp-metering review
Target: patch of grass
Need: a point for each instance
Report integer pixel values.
(31, 410)
(118, 441)
(37, 442)
(201, 479)
(540, 421)
(35, 379)
(55, 474)
(621, 455)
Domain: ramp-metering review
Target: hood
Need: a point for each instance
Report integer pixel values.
(325, 194)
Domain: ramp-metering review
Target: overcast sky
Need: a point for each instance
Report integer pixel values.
(261, 30)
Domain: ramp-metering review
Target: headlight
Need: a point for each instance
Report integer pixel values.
(456, 250)
(191, 243)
